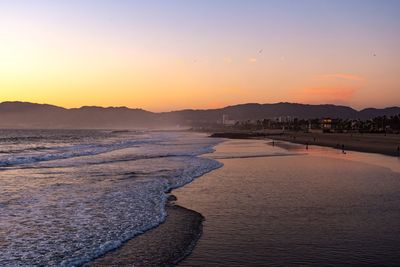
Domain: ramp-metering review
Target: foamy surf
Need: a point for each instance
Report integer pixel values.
(68, 214)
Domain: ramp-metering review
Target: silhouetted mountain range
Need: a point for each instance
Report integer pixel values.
(30, 115)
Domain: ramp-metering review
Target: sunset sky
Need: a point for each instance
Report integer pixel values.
(167, 55)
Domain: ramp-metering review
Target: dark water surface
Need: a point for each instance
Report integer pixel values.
(285, 209)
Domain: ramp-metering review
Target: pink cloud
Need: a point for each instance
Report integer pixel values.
(338, 95)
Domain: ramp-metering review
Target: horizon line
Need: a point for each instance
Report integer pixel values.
(195, 109)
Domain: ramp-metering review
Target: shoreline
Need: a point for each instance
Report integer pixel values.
(387, 145)
(165, 245)
(175, 239)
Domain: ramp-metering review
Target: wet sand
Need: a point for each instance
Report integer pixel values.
(308, 209)
(164, 245)
(371, 143)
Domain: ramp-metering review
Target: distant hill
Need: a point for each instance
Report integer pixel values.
(30, 115)
(262, 111)
(374, 112)
(255, 111)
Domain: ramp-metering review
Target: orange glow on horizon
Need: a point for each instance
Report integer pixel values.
(162, 65)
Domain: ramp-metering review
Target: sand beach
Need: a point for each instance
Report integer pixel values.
(372, 143)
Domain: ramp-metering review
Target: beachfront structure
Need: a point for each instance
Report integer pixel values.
(326, 124)
(227, 121)
(330, 125)
(284, 119)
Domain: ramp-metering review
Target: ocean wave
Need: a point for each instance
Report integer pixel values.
(68, 217)
(101, 224)
(65, 152)
(152, 198)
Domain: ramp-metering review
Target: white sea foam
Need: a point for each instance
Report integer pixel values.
(64, 152)
(69, 216)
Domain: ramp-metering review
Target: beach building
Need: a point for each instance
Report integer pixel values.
(328, 125)
(227, 121)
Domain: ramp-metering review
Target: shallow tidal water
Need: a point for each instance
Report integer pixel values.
(270, 206)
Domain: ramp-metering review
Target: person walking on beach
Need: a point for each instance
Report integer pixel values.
(344, 152)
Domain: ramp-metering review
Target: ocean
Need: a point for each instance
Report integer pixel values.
(69, 196)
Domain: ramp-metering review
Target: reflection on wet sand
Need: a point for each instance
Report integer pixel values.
(322, 208)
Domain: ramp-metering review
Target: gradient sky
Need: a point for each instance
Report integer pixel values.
(167, 55)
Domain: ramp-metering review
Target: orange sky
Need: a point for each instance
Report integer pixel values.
(199, 54)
